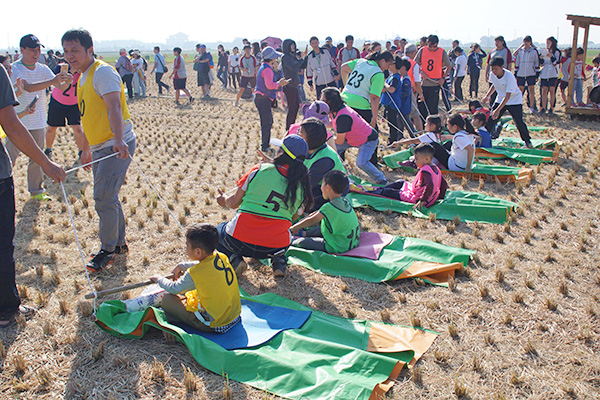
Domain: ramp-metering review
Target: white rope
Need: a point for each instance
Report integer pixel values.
(408, 126)
(93, 162)
(158, 195)
(87, 273)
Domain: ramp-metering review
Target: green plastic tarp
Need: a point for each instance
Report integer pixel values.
(511, 127)
(394, 259)
(517, 142)
(324, 359)
(531, 156)
(392, 160)
(468, 206)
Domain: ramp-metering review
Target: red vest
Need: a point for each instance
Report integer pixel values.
(431, 62)
(412, 192)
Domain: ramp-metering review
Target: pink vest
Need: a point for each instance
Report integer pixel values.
(412, 192)
(69, 96)
(360, 131)
(294, 129)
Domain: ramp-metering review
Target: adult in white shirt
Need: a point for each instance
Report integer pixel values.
(460, 71)
(36, 77)
(509, 98)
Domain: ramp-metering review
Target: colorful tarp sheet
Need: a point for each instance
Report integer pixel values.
(370, 245)
(538, 129)
(404, 257)
(327, 358)
(260, 322)
(529, 156)
(479, 171)
(468, 206)
(517, 142)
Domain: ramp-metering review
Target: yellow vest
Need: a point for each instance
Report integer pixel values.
(94, 115)
(217, 292)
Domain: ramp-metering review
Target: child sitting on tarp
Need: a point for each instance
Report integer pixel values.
(429, 184)
(462, 147)
(339, 231)
(212, 298)
(433, 130)
(482, 138)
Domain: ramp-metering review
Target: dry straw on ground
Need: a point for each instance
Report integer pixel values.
(520, 322)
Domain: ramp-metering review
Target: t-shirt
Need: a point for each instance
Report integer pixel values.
(346, 54)
(107, 80)
(138, 65)
(179, 67)
(458, 160)
(40, 73)
(460, 66)
(7, 99)
(578, 73)
(204, 67)
(595, 76)
(486, 139)
(503, 53)
(159, 59)
(564, 69)
(504, 85)
(428, 137)
(234, 61)
(373, 84)
(255, 229)
(250, 63)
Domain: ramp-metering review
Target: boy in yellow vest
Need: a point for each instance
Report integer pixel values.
(212, 298)
(108, 129)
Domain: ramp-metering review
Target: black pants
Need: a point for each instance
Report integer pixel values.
(293, 100)
(391, 191)
(395, 124)
(127, 81)
(441, 154)
(474, 82)
(446, 96)
(516, 112)
(9, 297)
(368, 116)
(263, 104)
(160, 83)
(458, 92)
(321, 87)
(431, 95)
(235, 76)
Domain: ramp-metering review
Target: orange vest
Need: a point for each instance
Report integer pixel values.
(411, 74)
(431, 62)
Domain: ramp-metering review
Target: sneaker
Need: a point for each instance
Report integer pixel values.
(192, 100)
(543, 111)
(236, 103)
(279, 265)
(121, 250)
(25, 311)
(382, 182)
(550, 112)
(408, 164)
(528, 145)
(42, 197)
(48, 153)
(100, 261)
(79, 154)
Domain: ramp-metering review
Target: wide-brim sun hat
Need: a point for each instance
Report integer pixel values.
(270, 53)
(316, 109)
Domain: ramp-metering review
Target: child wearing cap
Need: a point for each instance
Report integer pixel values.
(339, 230)
(428, 186)
(268, 197)
(211, 297)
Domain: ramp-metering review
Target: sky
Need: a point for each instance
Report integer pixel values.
(214, 21)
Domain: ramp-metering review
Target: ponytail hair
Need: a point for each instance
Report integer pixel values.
(437, 121)
(457, 119)
(386, 56)
(297, 179)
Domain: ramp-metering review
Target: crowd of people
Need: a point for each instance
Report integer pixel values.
(303, 174)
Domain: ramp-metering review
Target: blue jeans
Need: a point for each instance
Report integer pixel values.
(9, 297)
(578, 90)
(222, 75)
(301, 94)
(363, 158)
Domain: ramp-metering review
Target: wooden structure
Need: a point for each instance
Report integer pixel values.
(579, 21)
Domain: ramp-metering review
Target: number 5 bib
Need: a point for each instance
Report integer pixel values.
(359, 80)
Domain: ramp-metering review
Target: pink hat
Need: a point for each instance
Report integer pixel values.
(316, 109)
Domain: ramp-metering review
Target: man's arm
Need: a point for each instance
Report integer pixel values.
(112, 101)
(21, 138)
(61, 81)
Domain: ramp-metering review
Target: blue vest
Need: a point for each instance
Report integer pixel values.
(260, 82)
(395, 99)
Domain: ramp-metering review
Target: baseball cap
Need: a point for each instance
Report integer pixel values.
(269, 53)
(316, 109)
(328, 39)
(30, 41)
(295, 147)
(397, 38)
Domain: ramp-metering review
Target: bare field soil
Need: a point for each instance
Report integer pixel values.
(520, 322)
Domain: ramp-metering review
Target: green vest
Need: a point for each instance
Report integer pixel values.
(340, 227)
(324, 152)
(359, 80)
(265, 194)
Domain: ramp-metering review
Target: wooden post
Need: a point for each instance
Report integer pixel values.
(586, 33)
(572, 64)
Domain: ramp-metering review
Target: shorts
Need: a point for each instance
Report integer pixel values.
(203, 78)
(551, 82)
(179, 84)
(564, 85)
(521, 80)
(248, 80)
(57, 113)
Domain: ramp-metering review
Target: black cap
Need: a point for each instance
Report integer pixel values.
(30, 41)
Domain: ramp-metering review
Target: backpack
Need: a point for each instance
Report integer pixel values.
(128, 65)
